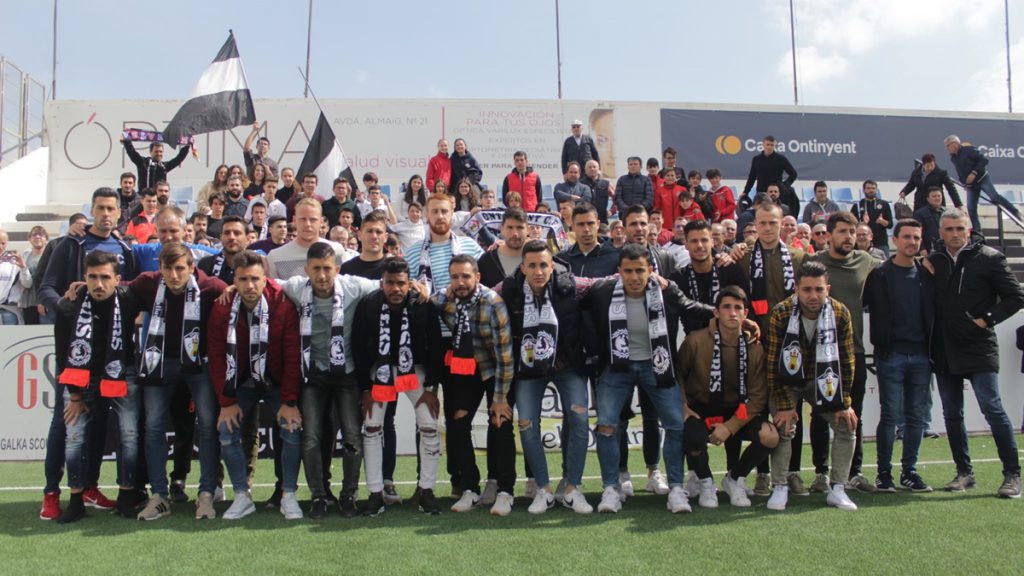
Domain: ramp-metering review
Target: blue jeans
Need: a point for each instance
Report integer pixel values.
(613, 392)
(572, 391)
(974, 195)
(986, 390)
(904, 389)
(82, 439)
(8, 318)
(231, 442)
(157, 400)
(56, 444)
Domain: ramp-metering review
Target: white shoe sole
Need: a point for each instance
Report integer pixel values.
(248, 510)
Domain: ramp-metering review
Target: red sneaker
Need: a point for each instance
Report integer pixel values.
(93, 498)
(51, 506)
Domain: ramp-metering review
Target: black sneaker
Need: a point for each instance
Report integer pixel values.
(428, 502)
(318, 509)
(884, 483)
(374, 504)
(1010, 487)
(74, 512)
(274, 501)
(126, 501)
(932, 434)
(329, 496)
(347, 506)
(176, 493)
(913, 482)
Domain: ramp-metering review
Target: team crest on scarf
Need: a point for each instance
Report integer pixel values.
(405, 360)
(660, 358)
(229, 372)
(259, 364)
(383, 373)
(338, 349)
(114, 368)
(827, 384)
(152, 358)
(620, 343)
(793, 358)
(192, 344)
(80, 352)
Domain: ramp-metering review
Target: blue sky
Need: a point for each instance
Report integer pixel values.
(932, 54)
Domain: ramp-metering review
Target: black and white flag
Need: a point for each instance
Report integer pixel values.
(220, 100)
(325, 158)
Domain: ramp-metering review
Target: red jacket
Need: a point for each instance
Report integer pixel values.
(142, 227)
(666, 199)
(439, 167)
(692, 213)
(283, 348)
(144, 288)
(528, 186)
(725, 203)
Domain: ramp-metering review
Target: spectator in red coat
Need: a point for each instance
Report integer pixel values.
(722, 197)
(439, 168)
(666, 198)
(688, 208)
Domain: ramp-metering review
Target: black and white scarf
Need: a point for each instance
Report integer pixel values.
(424, 274)
(828, 381)
(759, 278)
(218, 265)
(538, 348)
(337, 344)
(152, 368)
(717, 388)
(259, 335)
(460, 358)
(391, 377)
(655, 266)
(618, 330)
(695, 292)
(76, 372)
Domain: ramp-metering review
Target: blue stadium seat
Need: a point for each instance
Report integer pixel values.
(842, 195)
(182, 193)
(808, 193)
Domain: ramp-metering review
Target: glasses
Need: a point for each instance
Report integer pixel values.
(820, 233)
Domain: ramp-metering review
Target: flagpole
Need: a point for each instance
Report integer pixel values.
(792, 44)
(1009, 82)
(309, 35)
(309, 89)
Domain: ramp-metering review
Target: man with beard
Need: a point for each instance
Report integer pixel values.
(848, 270)
(153, 169)
(235, 203)
(496, 265)
(396, 340)
(233, 240)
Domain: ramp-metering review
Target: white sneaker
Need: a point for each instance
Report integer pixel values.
(779, 498)
(692, 485)
(218, 494)
(542, 501)
(708, 493)
(466, 503)
(610, 500)
(290, 506)
(625, 484)
(503, 504)
(560, 491)
(737, 491)
(678, 500)
(489, 494)
(577, 502)
(656, 483)
(531, 488)
(241, 507)
(837, 497)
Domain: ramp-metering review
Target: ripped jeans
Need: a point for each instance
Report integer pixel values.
(429, 435)
(572, 392)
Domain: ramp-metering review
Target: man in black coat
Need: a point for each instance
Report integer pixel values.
(766, 168)
(579, 147)
(974, 290)
(926, 175)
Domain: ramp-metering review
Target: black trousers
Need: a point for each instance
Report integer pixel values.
(695, 443)
(466, 394)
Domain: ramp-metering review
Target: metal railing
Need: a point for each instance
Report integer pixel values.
(21, 113)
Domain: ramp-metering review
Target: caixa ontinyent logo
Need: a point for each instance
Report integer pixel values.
(31, 362)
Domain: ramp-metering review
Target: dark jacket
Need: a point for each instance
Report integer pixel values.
(969, 160)
(979, 285)
(602, 261)
(144, 288)
(129, 205)
(565, 191)
(283, 346)
(64, 329)
(677, 307)
(599, 189)
(424, 327)
(769, 170)
(491, 271)
(920, 182)
(731, 275)
(567, 310)
(67, 264)
(150, 171)
(634, 189)
(880, 300)
(874, 209)
(465, 167)
(929, 219)
(579, 153)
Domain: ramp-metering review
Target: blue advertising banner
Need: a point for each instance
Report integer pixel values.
(849, 147)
